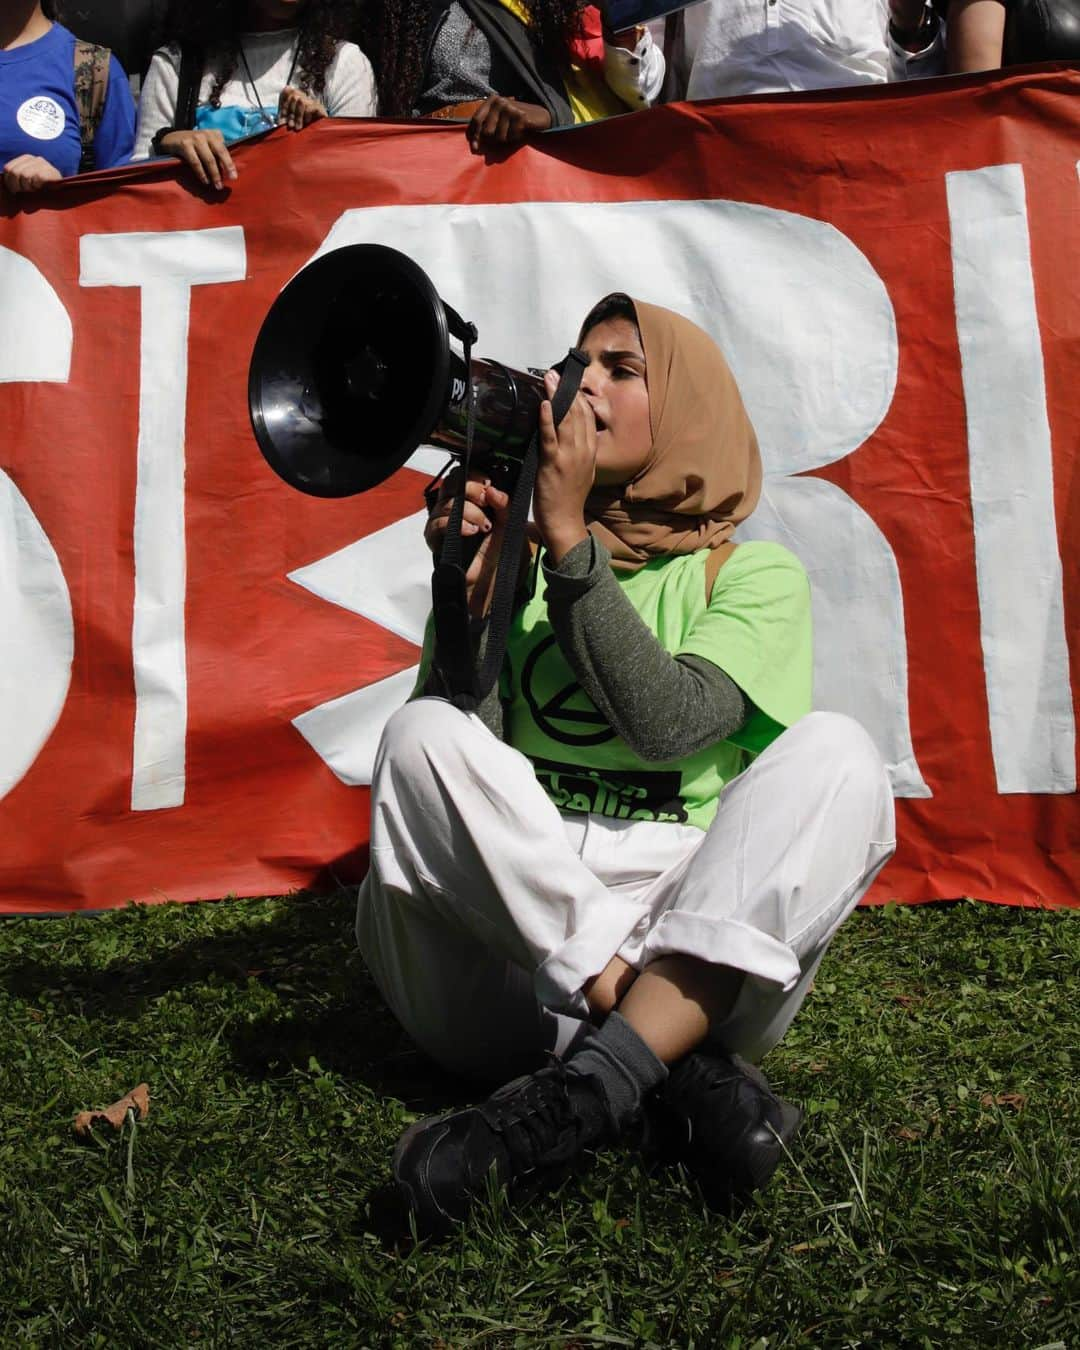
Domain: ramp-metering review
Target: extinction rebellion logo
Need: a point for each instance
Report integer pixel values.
(552, 712)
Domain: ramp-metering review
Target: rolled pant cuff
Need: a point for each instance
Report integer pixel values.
(559, 978)
(723, 942)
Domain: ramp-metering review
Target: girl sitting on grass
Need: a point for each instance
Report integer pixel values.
(251, 65)
(633, 859)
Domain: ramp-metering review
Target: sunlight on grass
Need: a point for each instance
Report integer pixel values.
(931, 1198)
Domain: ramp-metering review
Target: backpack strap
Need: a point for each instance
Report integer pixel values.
(713, 563)
(674, 57)
(187, 94)
(673, 31)
(91, 91)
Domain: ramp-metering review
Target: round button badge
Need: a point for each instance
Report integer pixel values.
(41, 117)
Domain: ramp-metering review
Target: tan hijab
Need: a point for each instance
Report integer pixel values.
(703, 475)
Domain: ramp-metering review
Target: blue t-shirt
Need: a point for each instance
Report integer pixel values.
(38, 113)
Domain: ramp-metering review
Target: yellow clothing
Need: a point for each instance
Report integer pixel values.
(588, 95)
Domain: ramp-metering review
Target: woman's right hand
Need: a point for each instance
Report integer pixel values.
(28, 173)
(486, 512)
(504, 121)
(204, 152)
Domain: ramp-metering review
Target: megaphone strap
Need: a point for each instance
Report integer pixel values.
(502, 602)
(455, 652)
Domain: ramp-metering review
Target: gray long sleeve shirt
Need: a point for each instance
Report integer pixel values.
(664, 707)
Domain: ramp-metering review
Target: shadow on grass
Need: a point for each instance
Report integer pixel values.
(359, 1040)
(326, 1007)
(124, 987)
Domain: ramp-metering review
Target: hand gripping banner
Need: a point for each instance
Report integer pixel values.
(196, 660)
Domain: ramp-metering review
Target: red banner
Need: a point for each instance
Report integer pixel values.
(197, 660)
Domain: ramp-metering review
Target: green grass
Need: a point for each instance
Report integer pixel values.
(933, 1197)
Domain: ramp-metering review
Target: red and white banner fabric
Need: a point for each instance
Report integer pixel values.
(196, 660)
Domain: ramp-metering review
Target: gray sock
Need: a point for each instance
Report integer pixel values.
(625, 1066)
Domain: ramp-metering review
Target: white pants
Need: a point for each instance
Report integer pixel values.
(485, 910)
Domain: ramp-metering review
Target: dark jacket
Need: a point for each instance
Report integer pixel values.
(518, 70)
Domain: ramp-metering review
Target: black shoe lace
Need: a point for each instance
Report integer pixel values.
(699, 1073)
(537, 1123)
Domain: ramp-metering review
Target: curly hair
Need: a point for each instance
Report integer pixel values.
(215, 26)
(395, 36)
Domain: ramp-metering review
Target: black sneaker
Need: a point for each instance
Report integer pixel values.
(718, 1116)
(531, 1130)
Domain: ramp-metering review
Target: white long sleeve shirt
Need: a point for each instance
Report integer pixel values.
(350, 83)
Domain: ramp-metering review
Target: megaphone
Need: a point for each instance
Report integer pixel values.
(354, 368)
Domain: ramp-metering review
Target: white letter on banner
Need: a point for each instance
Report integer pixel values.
(165, 266)
(37, 634)
(35, 336)
(1018, 565)
(810, 333)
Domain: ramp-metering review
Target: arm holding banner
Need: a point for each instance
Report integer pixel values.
(204, 152)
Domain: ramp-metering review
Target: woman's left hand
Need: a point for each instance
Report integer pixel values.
(27, 173)
(297, 110)
(564, 477)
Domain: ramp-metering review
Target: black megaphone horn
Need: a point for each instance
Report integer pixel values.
(353, 369)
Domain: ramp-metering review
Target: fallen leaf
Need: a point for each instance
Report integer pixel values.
(906, 1132)
(1015, 1101)
(137, 1100)
(905, 999)
(819, 1066)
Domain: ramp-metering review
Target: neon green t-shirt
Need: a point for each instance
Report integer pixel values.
(756, 628)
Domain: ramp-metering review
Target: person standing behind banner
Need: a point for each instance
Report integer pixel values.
(510, 66)
(986, 34)
(732, 48)
(65, 106)
(131, 28)
(233, 68)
